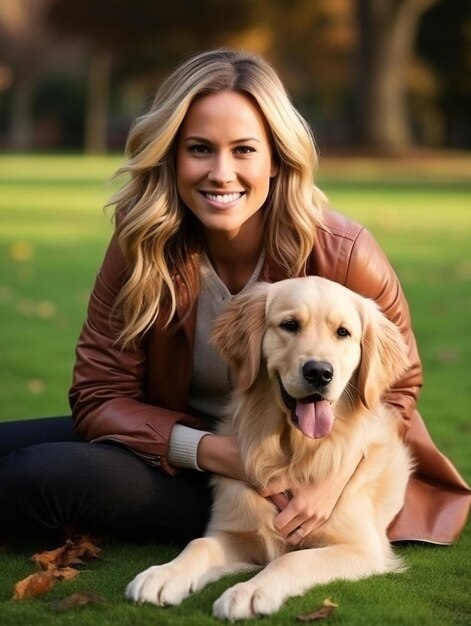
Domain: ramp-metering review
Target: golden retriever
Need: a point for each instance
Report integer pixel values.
(312, 361)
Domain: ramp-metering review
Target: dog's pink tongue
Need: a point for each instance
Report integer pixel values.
(315, 419)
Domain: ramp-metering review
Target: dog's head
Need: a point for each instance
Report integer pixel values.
(318, 342)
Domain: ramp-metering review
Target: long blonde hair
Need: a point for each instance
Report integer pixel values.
(158, 235)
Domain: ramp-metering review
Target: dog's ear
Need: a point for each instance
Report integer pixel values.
(238, 333)
(384, 355)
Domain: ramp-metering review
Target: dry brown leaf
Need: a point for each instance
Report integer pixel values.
(41, 582)
(21, 251)
(66, 573)
(76, 599)
(322, 612)
(72, 552)
(47, 559)
(34, 585)
(79, 550)
(56, 565)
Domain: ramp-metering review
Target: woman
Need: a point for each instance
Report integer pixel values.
(219, 196)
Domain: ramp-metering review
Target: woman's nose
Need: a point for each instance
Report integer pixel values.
(221, 170)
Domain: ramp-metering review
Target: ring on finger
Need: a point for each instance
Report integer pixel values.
(299, 532)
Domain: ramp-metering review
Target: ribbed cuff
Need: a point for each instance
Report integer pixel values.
(183, 447)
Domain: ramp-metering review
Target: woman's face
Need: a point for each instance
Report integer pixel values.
(224, 162)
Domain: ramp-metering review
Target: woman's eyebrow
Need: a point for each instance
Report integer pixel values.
(206, 140)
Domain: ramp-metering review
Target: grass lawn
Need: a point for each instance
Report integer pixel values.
(53, 234)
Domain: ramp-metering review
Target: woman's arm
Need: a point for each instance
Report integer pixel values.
(307, 507)
(220, 454)
(107, 395)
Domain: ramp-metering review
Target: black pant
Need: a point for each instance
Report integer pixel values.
(50, 479)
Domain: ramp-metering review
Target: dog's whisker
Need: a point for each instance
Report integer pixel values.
(351, 391)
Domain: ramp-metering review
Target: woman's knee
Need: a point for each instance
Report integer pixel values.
(54, 484)
(100, 487)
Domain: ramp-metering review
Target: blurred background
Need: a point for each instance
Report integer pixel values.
(382, 76)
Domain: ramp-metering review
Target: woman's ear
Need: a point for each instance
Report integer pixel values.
(384, 355)
(238, 333)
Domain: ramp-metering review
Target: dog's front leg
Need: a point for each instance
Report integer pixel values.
(202, 561)
(291, 575)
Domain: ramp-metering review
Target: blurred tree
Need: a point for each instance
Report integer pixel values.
(25, 48)
(445, 42)
(311, 43)
(333, 52)
(117, 28)
(388, 30)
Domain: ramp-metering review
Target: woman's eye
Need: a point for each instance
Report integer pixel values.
(292, 326)
(244, 149)
(343, 332)
(199, 149)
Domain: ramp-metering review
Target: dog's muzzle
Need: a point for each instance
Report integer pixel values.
(312, 414)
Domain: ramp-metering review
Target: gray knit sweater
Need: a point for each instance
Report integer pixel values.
(210, 381)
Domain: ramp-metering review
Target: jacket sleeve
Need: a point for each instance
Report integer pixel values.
(370, 274)
(107, 396)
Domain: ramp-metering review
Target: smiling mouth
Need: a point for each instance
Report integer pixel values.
(223, 198)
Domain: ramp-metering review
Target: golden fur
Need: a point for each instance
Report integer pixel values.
(262, 349)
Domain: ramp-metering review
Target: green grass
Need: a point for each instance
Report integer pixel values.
(52, 239)
(53, 234)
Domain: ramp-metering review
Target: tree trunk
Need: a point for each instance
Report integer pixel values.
(388, 29)
(21, 136)
(96, 114)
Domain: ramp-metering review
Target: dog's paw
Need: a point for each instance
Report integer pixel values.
(163, 585)
(246, 600)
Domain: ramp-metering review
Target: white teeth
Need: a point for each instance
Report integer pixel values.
(223, 199)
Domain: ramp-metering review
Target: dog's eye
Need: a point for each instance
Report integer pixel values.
(292, 326)
(342, 332)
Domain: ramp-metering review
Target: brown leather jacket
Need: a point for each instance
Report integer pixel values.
(135, 397)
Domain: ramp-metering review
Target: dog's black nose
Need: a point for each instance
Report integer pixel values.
(318, 373)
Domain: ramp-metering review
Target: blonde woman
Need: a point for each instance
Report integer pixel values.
(219, 195)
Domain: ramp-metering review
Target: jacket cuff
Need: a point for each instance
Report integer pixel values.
(183, 446)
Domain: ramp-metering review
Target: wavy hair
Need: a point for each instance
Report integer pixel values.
(158, 236)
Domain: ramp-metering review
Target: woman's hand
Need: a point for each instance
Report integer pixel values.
(220, 454)
(303, 508)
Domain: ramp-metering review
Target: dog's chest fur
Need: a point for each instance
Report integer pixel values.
(268, 455)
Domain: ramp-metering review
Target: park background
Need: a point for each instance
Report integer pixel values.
(386, 86)
(388, 75)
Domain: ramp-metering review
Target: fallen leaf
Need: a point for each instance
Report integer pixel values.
(46, 310)
(42, 582)
(48, 558)
(56, 565)
(76, 599)
(35, 386)
(34, 585)
(322, 612)
(21, 251)
(72, 552)
(66, 573)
